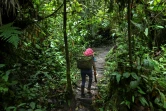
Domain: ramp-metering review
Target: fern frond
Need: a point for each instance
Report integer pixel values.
(10, 34)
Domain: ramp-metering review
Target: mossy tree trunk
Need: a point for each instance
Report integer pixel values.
(69, 87)
(129, 33)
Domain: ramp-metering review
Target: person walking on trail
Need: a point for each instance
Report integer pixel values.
(90, 53)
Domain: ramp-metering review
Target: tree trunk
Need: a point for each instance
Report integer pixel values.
(69, 87)
(129, 33)
(151, 33)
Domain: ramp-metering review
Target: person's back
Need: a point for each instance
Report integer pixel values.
(86, 69)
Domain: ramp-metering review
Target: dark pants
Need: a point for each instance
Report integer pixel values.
(85, 72)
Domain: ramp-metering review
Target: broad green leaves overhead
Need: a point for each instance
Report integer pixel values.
(157, 5)
(46, 7)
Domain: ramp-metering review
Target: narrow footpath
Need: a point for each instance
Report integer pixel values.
(85, 104)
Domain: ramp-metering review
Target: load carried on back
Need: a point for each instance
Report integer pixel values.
(84, 62)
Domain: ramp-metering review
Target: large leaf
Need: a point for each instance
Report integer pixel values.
(126, 74)
(134, 84)
(2, 65)
(139, 26)
(163, 99)
(6, 76)
(14, 39)
(134, 75)
(22, 104)
(118, 76)
(32, 104)
(146, 32)
(10, 34)
(158, 27)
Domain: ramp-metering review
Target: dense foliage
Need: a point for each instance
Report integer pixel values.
(142, 86)
(32, 63)
(32, 53)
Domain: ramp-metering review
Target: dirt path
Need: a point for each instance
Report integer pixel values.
(84, 104)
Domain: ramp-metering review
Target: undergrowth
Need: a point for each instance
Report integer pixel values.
(143, 88)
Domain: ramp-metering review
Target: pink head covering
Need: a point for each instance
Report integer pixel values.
(88, 52)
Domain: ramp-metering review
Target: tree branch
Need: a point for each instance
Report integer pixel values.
(52, 13)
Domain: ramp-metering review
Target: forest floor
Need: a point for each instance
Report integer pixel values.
(85, 104)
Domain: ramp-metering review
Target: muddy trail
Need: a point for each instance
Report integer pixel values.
(85, 104)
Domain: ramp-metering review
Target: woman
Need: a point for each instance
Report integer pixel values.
(84, 72)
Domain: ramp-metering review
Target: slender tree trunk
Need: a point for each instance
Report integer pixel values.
(69, 87)
(151, 34)
(129, 33)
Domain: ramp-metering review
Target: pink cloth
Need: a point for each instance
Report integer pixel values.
(88, 52)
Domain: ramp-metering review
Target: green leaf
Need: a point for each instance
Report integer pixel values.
(164, 105)
(134, 75)
(157, 100)
(10, 107)
(133, 98)
(10, 34)
(126, 103)
(134, 84)
(37, 46)
(146, 32)
(3, 89)
(15, 109)
(139, 26)
(140, 91)
(151, 106)
(32, 104)
(14, 39)
(114, 73)
(146, 62)
(162, 97)
(14, 82)
(22, 104)
(145, 77)
(118, 76)
(143, 101)
(123, 102)
(6, 76)
(101, 109)
(158, 27)
(47, 75)
(126, 74)
(2, 65)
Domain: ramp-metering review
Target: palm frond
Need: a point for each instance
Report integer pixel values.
(10, 34)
